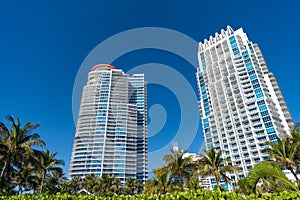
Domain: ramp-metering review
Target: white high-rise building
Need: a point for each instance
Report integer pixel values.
(241, 104)
(111, 132)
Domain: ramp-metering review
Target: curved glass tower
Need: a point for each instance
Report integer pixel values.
(111, 132)
(241, 104)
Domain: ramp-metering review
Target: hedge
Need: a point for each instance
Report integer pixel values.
(187, 195)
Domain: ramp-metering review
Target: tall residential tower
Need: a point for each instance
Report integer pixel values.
(111, 132)
(240, 102)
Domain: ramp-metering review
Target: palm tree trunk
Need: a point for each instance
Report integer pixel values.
(3, 170)
(181, 183)
(218, 184)
(19, 189)
(42, 183)
(295, 175)
(217, 180)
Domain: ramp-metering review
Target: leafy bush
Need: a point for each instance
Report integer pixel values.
(187, 195)
(285, 195)
(176, 195)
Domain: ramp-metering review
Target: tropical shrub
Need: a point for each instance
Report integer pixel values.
(187, 195)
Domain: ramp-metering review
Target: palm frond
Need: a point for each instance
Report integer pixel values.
(268, 169)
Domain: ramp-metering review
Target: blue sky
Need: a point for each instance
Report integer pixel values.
(43, 44)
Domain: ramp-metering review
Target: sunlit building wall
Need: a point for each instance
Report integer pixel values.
(241, 104)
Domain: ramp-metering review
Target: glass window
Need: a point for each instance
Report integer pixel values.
(268, 124)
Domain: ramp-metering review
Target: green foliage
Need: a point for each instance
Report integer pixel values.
(284, 151)
(193, 183)
(179, 167)
(213, 164)
(160, 183)
(285, 195)
(267, 170)
(187, 195)
(176, 195)
(243, 187)
(23, 167)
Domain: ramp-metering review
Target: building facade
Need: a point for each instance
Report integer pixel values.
(111, 132)
(241, 104)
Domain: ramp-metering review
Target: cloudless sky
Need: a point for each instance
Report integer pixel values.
(42, 45)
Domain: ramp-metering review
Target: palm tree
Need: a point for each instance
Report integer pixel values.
(89, 182)
(130, 185)
(116, 186)
(294, 137)
(178, 166)
(16, 143)
(162, 181)
(25, 177)
(284, 151)
(138, 185)
(269, 171)
(212, 164)
(194, 183)
(149, 187)
(109, 185)
(47, 164)
(53, 182)
(73, 186)
(242, 187)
